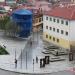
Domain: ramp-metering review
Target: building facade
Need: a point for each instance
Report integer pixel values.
(37, 22)
(59, 28)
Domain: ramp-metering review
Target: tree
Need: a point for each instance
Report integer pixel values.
(3, 22)
(22, 1)
(12, 29)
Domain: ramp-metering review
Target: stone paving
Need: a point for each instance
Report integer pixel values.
(7, 61)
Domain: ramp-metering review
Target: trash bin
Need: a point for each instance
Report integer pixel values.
(42, 63)
(46, 59)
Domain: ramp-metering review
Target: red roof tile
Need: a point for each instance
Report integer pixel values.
(63, 12)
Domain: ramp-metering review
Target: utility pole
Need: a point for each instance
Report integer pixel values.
(21, 59)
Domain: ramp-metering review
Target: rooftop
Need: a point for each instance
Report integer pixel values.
(66, 12)
(22, 12)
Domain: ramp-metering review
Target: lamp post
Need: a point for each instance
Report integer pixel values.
(21, 59)
(26, 59)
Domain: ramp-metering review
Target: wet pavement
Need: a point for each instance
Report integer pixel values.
(29, 52)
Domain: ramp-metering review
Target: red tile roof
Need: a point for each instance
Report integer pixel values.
(67, 12)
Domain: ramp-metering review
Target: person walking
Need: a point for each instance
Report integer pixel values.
(33, 65)
(36, 59)
(15, 63)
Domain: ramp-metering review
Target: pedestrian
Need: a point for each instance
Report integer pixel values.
(15, 63)
(31, 43)
(36, 59)
(33, 65)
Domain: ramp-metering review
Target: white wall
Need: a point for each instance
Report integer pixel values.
(72, 30)
(56, 26)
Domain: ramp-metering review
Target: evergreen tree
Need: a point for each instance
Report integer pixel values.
(12, 29)
(3, 22)
(22, 1)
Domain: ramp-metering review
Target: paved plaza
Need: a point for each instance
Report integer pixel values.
(25, 59)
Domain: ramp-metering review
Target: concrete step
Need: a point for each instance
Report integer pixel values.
(59, 53)
(56, 59)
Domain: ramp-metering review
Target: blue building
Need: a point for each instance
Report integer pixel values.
(23, 19)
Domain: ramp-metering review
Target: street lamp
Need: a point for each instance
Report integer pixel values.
(26, 59)
(21, 59)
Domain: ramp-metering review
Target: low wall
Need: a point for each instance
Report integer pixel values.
(6, 72)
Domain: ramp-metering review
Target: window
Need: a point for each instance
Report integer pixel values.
(53, 29)
(46, 27)
(58, 30)
(54, 19)
(57, 40)
(46, 18)
(62, 22)
(62, 31)
(50, 37)
(53, 39)
(50, 19)
(66, 22)
(57, 20)
(36, 20)
(46, 36)
(66, 33)
(40, 20)
(50, 28)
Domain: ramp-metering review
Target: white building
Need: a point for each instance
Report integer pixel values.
(10, 2)
(59, 26)
(2, 0)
